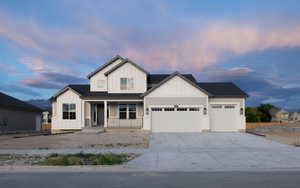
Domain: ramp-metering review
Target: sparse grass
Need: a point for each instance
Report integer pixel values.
(43, 148)
(297, 144)
(86, 159)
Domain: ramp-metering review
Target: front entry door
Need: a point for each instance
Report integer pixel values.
(98, 115)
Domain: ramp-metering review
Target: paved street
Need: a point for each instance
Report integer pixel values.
(286, 179)
(192, 151)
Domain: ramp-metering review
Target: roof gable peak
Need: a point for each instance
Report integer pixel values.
(176, 73)
(125, 61)
(104, 65)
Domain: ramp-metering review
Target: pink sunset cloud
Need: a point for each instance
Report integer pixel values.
(203, 48)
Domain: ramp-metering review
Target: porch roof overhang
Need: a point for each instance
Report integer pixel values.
(112, 96)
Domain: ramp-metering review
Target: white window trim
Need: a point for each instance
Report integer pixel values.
(101, 84)
(127, 86)
(69, 104)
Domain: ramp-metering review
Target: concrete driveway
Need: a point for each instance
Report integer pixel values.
(215, 151)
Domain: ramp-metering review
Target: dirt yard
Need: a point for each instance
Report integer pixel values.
(284, 137)
(77, 141)
(285, 133)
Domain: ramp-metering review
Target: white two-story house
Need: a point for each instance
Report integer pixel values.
(123, 95)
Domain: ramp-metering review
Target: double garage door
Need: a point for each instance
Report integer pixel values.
(224, 117)
(170, 119)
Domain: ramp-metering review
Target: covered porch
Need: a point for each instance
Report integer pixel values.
(113, 114)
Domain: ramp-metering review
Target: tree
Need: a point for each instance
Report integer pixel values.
(265, 112)
(253, 114)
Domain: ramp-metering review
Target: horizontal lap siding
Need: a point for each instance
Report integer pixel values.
(228, 100)
(176, 101)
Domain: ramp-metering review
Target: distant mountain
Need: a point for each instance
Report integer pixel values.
(40, 103)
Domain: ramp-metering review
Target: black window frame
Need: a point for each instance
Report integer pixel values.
(127, 111)
(182, 109)
(69, 111)
(194, 109)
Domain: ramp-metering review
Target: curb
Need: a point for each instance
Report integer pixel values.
(126, 169)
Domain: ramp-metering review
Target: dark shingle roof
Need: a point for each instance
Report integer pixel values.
(104, 65)
(223, 89)
(156, 78)
(11, 102)
(84, 91)
(123, 63)
(169, 78)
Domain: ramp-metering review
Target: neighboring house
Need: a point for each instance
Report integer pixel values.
(16, 115)
(46, 118)
(294, 117)
(121, 94)
(279, 115)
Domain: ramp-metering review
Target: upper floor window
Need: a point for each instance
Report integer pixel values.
(126, 83)
(69, 111)
(100, 84)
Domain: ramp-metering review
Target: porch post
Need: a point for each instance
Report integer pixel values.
(105, 114)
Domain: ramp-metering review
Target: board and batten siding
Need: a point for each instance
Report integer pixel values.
(175, 91)
(100, 76)
(114, 121)
(68, 97)
(127, 71)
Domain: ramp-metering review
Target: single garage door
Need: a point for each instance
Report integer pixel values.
(183, 119)
(224, 117)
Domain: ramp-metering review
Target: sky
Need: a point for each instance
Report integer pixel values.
(45, 45)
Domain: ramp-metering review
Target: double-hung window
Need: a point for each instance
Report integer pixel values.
(69, 111)
(127, 111)
(123, 111)
(100, 84)
(126, 83)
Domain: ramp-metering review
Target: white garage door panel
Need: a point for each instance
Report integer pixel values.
(176, 121)
(224, 118)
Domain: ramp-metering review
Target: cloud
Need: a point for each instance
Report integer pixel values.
(13, 88)
(94, 38)
(212, 45)
(42, 83)
(49, 77)
(185, 49)
(259, 89)
(34, 64)
(7, 67)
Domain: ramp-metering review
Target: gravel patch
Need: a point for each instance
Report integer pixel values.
(65, 159)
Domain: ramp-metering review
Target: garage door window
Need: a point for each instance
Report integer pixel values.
(194, 109)
(229, 106)
(169, 109)
(181, 109)
(156, 109)
(216, 106)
